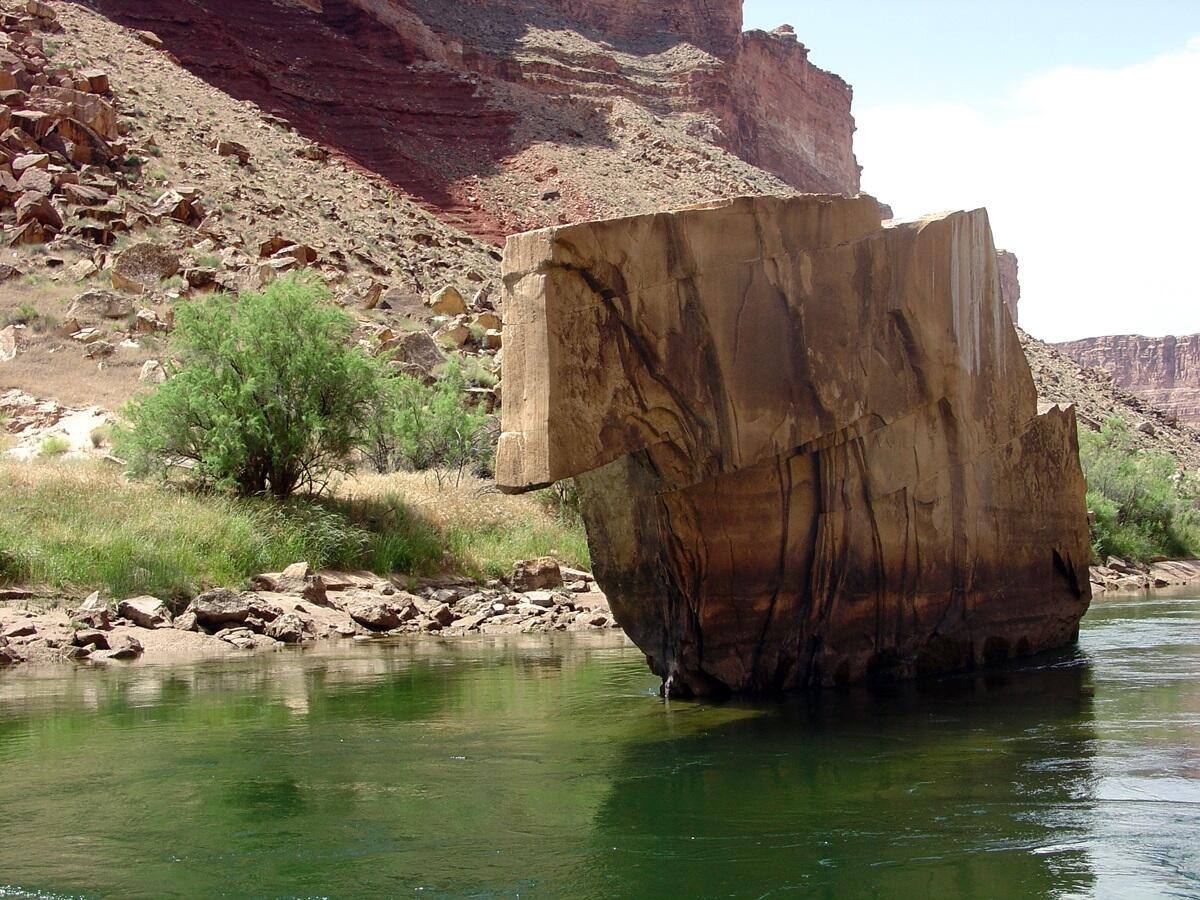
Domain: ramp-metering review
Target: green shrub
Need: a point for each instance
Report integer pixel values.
(472, 370)
(25, 314)
(100, 436)
(1143, 506)
(55, 445)
(422, 427)
(269, 395)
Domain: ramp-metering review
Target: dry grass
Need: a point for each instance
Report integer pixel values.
(78, 526)
(470, 499)
(485, 531)
(54, 366)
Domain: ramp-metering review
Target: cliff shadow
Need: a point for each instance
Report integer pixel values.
(342, 79)
(498, 26)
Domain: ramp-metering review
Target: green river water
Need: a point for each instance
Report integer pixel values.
(549, 767)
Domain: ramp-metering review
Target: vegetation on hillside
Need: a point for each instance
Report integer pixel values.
(419, 427)
(1144, 507)
(253, 439)
(268, 395)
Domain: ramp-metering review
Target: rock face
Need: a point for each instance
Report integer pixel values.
(438, 97)
(807, 446)
(1163, 370)
(1010, 281)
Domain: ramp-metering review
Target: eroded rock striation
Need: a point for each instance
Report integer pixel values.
(807, 445)
(1163, 370)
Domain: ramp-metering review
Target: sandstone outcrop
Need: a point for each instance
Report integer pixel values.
(1163, 370)
(807, 446)
(62, 144)
(1010, 281)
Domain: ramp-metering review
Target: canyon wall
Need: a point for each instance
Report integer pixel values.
(1010, 281)
(770, 105)
(1163, 370)
(807, 446)
(789, 117)
(505, 115)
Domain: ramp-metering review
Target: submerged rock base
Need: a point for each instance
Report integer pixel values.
(807, 445)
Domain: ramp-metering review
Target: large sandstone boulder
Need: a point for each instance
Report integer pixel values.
(147, 612)
(143, 266)
(807, 445)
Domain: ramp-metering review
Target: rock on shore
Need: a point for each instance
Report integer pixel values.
(1119, 576)
(298, 606)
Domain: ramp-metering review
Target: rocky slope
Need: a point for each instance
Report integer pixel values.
(1097, 397)
(229, 197)
(502, 115)
(1165, 371)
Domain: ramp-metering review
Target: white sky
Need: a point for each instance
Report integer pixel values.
(1091, 175)
(1075, 122)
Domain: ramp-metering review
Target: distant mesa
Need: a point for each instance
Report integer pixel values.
(807, 444)
(1165, 371)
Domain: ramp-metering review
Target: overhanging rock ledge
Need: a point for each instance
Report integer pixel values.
(807, 445)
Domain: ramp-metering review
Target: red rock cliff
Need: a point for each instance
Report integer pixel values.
(502, 115)
(1164, 370)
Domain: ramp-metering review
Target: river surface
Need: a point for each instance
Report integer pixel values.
(549, 767)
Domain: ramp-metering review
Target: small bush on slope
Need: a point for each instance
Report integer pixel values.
(419, 427)
(269, 394)
(1143, 506)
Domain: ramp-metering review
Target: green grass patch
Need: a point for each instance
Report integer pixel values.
(78, 526)
(489, 551)
(55, 445)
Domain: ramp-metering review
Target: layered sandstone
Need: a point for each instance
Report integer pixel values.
(1163, 370)
(807, 445)
(503, 115)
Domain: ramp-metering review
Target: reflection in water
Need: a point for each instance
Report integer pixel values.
(549, 767)
(945, 792)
